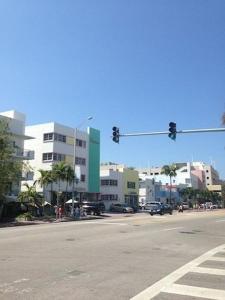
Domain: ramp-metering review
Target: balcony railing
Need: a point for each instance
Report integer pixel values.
(24, 154)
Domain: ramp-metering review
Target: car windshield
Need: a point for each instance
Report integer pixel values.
(154, 205)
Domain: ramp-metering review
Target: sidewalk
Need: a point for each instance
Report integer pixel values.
(47, 220)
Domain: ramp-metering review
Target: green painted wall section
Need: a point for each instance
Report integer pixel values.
(94, 161)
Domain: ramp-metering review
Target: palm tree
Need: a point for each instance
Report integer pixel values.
(45, 179)
(171, 172)
(59, 174)
(70, 176)
(31, 196)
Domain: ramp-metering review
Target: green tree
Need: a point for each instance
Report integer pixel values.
(170, 170)
(69, 176)
(45, 179)
(30, 196)
(59, 174)
(10, 168)
(223, 194)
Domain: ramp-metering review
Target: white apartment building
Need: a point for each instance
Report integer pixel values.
(16, 123)
(53, 143)
(183, 178)
(119, 184)
(111, 187)
(146, 190)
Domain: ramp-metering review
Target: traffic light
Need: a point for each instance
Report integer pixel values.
(172, 130)
(116, 134)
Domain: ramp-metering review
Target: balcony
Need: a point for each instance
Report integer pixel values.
(23, 154)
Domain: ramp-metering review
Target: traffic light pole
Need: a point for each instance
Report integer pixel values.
(177, 132)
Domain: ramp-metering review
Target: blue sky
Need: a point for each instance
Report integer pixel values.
(134, 64)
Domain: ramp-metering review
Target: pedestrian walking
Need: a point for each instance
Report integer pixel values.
(60, 212)
(56, 212)
(77, 212)
(180, 209)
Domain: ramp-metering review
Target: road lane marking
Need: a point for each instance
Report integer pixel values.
(106, 223)
(174, 228)
(211, 271)
(194, 291)
(221, 220)
(168, 281)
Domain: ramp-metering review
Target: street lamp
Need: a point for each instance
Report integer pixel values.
(74, 158)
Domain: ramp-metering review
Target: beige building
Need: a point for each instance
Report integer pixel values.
(215, 188)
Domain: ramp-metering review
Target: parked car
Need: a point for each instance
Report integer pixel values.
(185, 205)
(94, 208)
(159, 208)
(119, 207)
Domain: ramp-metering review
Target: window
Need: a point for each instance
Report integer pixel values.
(110, 197)
(111, 182)
(82, 178)
(80, 143)
(53, 157)
(80, 161)
(48, 136)
(47, 156)
(60, 137)
(207, 171)
(207, 177)
(130, 185)
(56, 136)
(29, 175)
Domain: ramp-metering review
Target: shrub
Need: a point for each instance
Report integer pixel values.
(27, 216)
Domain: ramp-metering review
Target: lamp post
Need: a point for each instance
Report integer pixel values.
(74, 159)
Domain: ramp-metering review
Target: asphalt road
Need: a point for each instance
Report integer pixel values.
(118, 257)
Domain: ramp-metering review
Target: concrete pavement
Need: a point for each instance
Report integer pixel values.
(114, 258)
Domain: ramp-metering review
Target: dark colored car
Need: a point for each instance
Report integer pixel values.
(160, 208)
(93, 208)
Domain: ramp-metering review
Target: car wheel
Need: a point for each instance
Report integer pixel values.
(151, 214)
(161, 213)
(171, 213)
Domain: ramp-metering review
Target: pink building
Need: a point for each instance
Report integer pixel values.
(200, 174)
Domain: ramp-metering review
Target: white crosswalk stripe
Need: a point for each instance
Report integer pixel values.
(217, 258)
(194, 291)
(211, 271)
(168, 284)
